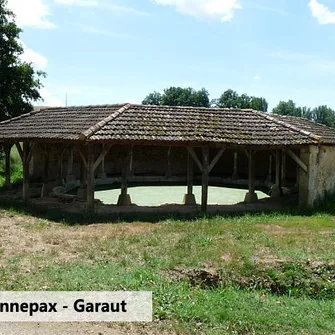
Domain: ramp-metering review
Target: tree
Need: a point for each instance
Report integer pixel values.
(178, 96)
(286, 108)
(231, 99)
(154, 98)
(324, 115)
(19, 83)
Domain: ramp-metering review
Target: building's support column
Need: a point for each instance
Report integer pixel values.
(124, 197)
(251, 196)
(90, 179)
(205, 178)
(235, 172)
(269, 176)
(309, 192)
(81, 193)
(277, 188)
(7, 148)
(131, 161)
(283, 170)
(26, 155)
(189, 198)
(46, 155)
(102, 174)
(60, 180)
(168, 166)
(70, 177)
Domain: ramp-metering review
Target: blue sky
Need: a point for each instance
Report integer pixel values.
(113, 51)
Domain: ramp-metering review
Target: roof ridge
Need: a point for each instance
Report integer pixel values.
(20, 116)
(288, 125)
(92, 130)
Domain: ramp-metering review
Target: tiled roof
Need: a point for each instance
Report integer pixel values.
(133, 123)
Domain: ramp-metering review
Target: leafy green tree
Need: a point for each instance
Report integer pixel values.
(231, 99)
(305, 112)
(178, 96)
(286, 108)
(259, 104)
(324, 115)
(19, 82)
(154, 98)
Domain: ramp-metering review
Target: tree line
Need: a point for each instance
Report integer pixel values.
(178, 96)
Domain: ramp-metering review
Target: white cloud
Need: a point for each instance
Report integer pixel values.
(85, 3)
(31, 56)
(50, 99)
(257, 78)
(221, 9)
(31, 13)
(321, 12)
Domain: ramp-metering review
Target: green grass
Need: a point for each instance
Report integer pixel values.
(275, 271)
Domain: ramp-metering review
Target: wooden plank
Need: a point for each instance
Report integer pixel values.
(90, 179)
(25, 188)
(82, 155)
(102, 156)
(30, 151)
(19, 149)
(195, 158)
(300, 163)
(7, 147)
(205, 175)
(216, 159)
(251, 176)
(190, 170)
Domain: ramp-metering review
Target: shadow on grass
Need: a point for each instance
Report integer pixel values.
(83, 218)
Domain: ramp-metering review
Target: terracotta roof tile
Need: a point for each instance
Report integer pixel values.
(125, 122)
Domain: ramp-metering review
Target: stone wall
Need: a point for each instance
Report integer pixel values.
(320, 177)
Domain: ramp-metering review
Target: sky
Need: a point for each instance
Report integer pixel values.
(117, 51)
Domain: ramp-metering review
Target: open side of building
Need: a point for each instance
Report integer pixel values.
(88, 145)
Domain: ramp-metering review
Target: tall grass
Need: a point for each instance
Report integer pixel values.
(16, 168)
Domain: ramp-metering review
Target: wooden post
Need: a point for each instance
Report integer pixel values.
(283, 170)
(189, 198)
(235, 173)
(124, 197)
(131, 161)
(26, 160)
(70, 177)
(205, 177)
(46, 170)
(277, 190)
(102, 174)
(7, 148)
(90, 178)
(269, 177)
(251, 196)
(168, 169)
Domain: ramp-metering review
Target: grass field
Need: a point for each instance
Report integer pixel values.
(261, 274)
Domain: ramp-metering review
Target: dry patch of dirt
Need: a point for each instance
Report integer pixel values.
(23, 235)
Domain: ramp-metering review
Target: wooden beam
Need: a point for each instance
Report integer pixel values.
(102, 156)
(205, 174)
(19, 149)
(194, 156)
(30, 151)
(90, 179)
(216, 159)
(190, 170)
(168, 157)
(251, 177)
(25, 188)
(7, 147)
(82, 154)
(297, 160)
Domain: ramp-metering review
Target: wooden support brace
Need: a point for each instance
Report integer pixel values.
(102, 156)
(297, 160)
(90, 179)
(82, 154)
(19, 150)
(216, 159)
(195, 158)
(205, 175)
